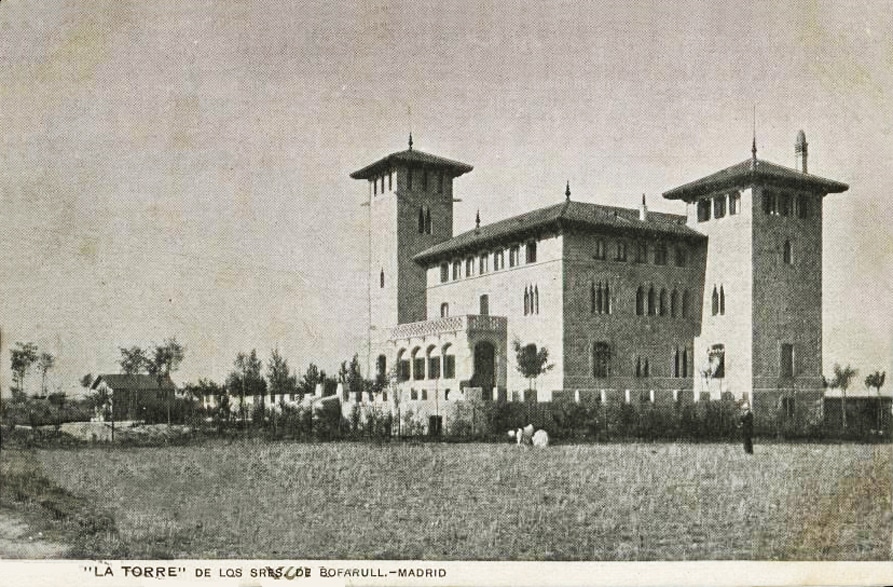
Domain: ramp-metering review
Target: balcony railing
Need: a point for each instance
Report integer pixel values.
(472, 322)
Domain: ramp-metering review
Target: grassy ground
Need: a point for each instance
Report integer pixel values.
(475, 501)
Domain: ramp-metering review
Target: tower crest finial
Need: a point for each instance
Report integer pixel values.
(410, 140)
(477, 220)
(567, 191)
(753, 148)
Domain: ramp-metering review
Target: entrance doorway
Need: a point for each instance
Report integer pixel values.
(484, 366)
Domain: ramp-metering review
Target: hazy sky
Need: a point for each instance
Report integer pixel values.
(181, 168)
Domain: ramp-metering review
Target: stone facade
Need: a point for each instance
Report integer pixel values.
(724, 301)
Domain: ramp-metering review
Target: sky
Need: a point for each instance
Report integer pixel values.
(180, 169)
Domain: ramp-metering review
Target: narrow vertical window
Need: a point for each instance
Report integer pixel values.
(457, 268)
(652, 306)
(646, 372)
(526, 301)
(531, 252)
(787, 360)
(421, 220)
(601, 360)
(444, 272)
(469, 266)
(592, 297)
(621, 251)
(485, 305)
(444, 310)
(663, 302)
(719, 206)
(600, 249)
(722, 301)
(484, 263)
(685, 362)
(785, 204)
(802, 206)
(676, 358)
(674, 303)
(390, 180)
(598, 298)
(770, 203)
(641, 253)
(375, 186)
(607, 299)
(640, 301)
(536, 297)
(788, 253)
(734, 203)
(427, 220)
(703, 210)
(714, 302)
(381, 279)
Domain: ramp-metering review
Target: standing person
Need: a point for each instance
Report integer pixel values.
(746, 425)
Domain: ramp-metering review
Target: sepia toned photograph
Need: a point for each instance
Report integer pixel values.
(445, 281)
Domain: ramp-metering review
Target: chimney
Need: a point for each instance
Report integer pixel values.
(800, 150)
(643, 210)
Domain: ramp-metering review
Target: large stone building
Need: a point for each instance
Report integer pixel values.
(725, 299)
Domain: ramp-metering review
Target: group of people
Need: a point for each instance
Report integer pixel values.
(527, 437)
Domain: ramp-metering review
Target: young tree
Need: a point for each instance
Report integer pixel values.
(45, 363)
(311, 377)
(281, 381)
(354, 379)
(841, 380)
(87, 380)
(246, 379)
(22, 358)
(532, 361)
(876, 380)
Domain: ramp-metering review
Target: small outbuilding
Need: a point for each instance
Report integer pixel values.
(136, 397)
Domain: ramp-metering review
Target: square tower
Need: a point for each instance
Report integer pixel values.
(410, 201)
(761, 327)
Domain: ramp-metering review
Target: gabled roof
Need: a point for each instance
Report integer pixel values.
(137, 382)
(569, 214)
(752, 171)
(456, 168)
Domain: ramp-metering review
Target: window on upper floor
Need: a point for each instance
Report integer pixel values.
(449, 363)
(427, 220)
(674, 303)
(662, 302)
(444, 272)
(660, 254)
(734, 203)
(641, 252)
(421, 226)
(599, 248)
(601, 360)
(621, 251)
(375, 186)
(514, 253)
(719, 206)
(714, 302)
(787, 255)
(642, 367)
(444, 310)
(600, 297)
(722, 301)
(703, 210)
(483, 263)
(381, 279)
(485, 305)
(469, 266)
(802, 206)
(390, 180)
(787, 360)
(498, 260)
(652, 301)
(640, 301)
(681, 257)
(531, 252)
(770, 203)
(785, 204)
(457, 269)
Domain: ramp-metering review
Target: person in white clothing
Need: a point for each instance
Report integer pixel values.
(526, 436)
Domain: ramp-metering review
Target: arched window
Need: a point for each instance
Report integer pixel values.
(652, 302)
(402, 366)
(646, 372)
(722, 301)
(427, 220)
(449, 362)
(485, 305)
(686, 303)
(418, 364)
(601, 360)
(676, 358)
(592, 297)
(433, 362)
(390, 180)
(526, 301)
(375, 187)
(607, 299)
(536, 298)
(714, 305)
(663, 302)
(640, 301)
(674, 303)
(444, 272)
(444, 310)
(457, 268)
(788, 254)
(381, 279)
(685, 362)
(421, 220)
(600, 249)
(599, 302)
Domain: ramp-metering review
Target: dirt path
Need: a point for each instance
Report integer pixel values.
(18, 540)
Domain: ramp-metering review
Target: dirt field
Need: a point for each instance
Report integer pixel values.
(480, 501)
